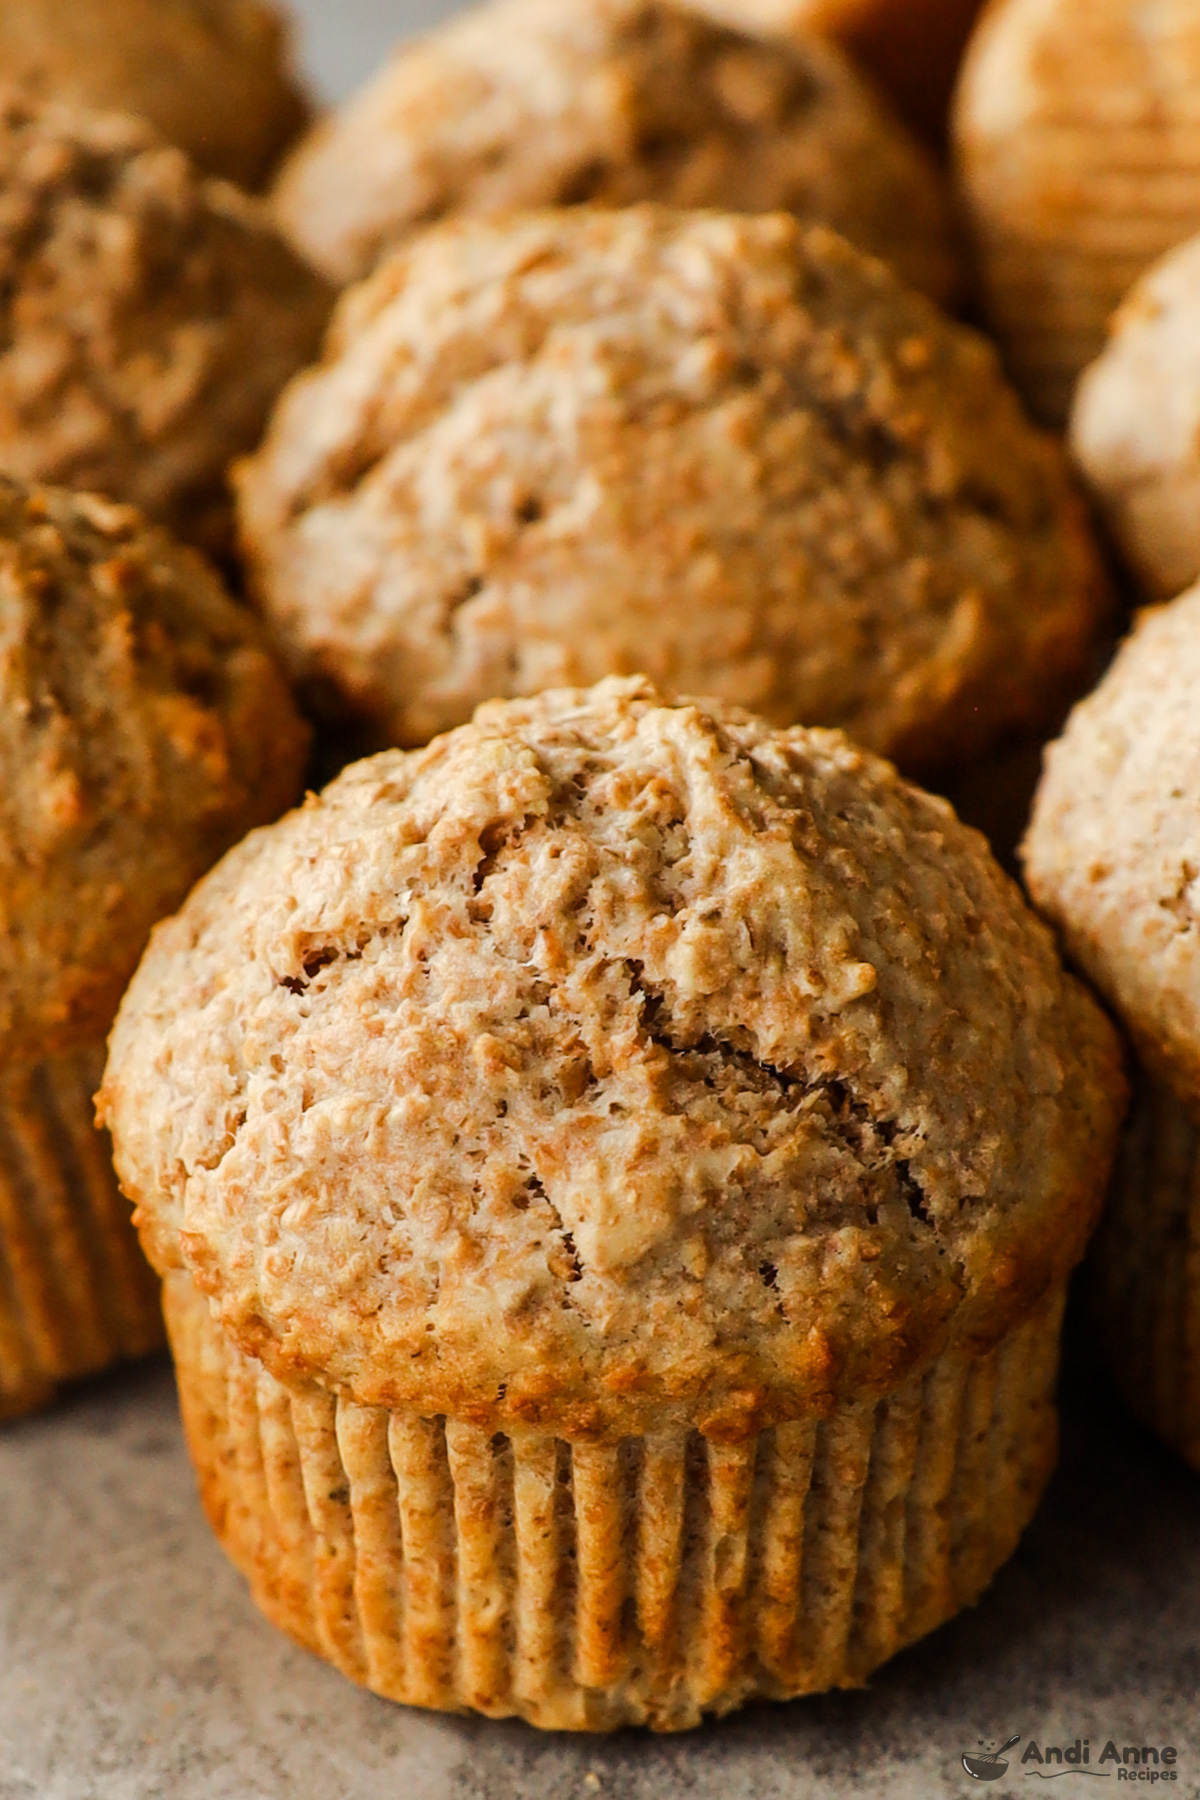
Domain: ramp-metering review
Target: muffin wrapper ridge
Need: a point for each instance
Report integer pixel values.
(1146, 1268)
(1058, 256)
(584, 1586)
(76, 1294)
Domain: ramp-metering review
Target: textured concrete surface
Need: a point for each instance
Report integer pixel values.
(133, 1667)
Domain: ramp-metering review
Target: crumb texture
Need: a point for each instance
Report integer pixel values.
(1135, 428)
(525, 103)
(728, 452)
(213, 76)
(148, 317)
(144, 727)
(1113, 851)
(612, 1063)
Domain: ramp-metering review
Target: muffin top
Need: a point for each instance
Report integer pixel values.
(1136, 425)
(729, 452)
(1113, 851)
(1078, 148)
(149, 317)
(528, 103)
(609, 1059)
(213, 76)
(144, 728)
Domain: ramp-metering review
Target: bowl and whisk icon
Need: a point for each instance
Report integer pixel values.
(989, 1766)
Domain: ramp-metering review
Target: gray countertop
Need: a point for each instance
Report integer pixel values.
(133, 1666)
(342, 41)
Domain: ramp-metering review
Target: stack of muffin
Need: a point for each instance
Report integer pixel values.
(615, 1158)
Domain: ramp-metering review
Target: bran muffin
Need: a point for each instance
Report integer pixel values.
(530, 103)
(616, 1172)
(1113, 859)
(149, 316)
(1113, 854)
(143, 729)
(729, 452)
(1135, 428)
(213, 76)
(912, 48)
(1078, 151)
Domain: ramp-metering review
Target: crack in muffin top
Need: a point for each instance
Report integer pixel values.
(610, 1054)
(144, 727)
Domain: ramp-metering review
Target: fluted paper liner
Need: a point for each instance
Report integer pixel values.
(76, 1293)
(1076, 187)
(585, 1586)
(1146, 1268)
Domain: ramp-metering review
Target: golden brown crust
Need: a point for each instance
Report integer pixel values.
(213, 76)
(526, 103)
(147, 317)
(1113, 851)
(728, 452)
(1078, 149)
(144, 727)
(1135, 427)
(584, 1587)
(613, 1065)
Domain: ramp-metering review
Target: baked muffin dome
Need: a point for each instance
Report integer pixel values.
(1135, 427)
(213, 76)
(1113, 859)
(144, 727)
(607, 1057)
(527, 103)
(727, 451)
(149, 316)
(1113, 851)
(616, 1172)
(1078, 148)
